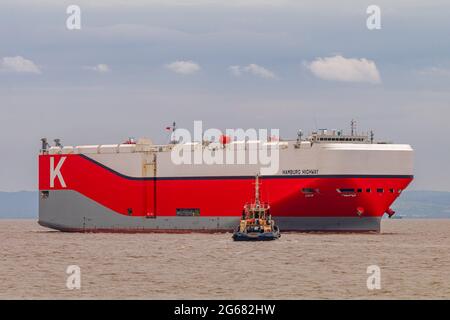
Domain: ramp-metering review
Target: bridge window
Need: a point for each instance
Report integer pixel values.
(391, 190)
(368, 190)
(380, 190)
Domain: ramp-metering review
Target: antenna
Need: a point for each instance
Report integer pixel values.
(58, 143)
(315, 122)
(45, 145)
(299, 138)
(173, 128)
(371, 136)
(353, 127)
(299, 135)
(257, 202)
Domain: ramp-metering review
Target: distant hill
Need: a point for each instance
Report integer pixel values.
(423, 204)
(411, 204)
(22, 204)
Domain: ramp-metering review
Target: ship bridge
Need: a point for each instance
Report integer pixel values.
(325, 135)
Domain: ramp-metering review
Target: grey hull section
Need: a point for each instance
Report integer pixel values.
(67, 210)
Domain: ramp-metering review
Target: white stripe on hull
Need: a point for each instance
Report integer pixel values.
(320, 158)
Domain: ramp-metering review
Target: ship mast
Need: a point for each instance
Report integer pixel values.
(353, 127)
(257, 191)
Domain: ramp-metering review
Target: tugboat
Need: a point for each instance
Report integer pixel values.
(256, 223)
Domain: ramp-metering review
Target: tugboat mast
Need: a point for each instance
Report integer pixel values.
(257, 202)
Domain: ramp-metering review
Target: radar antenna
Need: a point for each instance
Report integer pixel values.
(45, 145)
(299, 138)
(353, 127)
(172, 129)
(58, 143)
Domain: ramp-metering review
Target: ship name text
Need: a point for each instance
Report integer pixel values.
(300, 171)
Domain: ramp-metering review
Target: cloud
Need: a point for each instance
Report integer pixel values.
(235, 70)
(101, 68)
(339, 68)
(434, 71)
(18, 64)
(259, 71)
(253, 69)
(183, 67)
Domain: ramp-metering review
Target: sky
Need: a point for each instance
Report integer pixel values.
(136, 66)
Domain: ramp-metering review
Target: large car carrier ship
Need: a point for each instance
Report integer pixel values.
(328, 181)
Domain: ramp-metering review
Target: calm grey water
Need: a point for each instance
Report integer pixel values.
(414, 257)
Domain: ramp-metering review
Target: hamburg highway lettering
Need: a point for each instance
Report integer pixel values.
(300, 171)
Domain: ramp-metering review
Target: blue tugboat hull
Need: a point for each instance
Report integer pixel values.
(256, 236)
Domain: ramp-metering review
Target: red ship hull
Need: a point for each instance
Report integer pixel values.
(216, 200)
